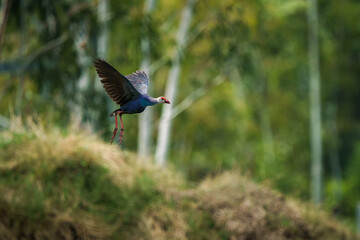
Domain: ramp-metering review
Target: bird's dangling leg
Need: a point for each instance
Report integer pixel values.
(121, 130)
(115, 129)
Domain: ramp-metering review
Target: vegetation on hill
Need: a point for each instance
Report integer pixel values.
(59, 185)
(242, 99)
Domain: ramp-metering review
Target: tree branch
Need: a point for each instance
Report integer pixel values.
(195, 95)
(48, 46)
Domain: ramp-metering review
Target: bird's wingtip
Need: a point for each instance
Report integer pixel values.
(98, 60)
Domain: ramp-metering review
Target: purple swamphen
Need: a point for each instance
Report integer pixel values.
(129, 91)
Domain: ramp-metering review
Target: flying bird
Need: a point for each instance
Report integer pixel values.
(130, 92)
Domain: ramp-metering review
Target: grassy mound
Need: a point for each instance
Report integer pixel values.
(72, 186)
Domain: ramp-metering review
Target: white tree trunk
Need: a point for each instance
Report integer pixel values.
(103, 37)
(145, 119)
(103, 16)
(163, 139)
(315, 104)
(80, 38)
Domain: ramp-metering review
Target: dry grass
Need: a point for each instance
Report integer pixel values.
(34, 155)
(250, 211)
(59, 185)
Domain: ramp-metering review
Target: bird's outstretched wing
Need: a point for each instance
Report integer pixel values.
(140, 81)
(116, 85)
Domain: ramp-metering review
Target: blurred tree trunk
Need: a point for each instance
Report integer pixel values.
(145, 119)
(103, 37)
(5, 9)
(163, 138)
(86, 84)
(20, 71)
(103, 16)
(261, 106)
(334, 150)
(331, 121)
(315, 104)
(81, 34)
(267, 139)
(358, 217)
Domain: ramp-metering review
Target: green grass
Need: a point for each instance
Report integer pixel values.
(73, 186)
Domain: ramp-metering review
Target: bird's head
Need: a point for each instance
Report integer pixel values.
(163, 100)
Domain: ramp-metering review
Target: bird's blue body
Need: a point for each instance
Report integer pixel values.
(138, 105)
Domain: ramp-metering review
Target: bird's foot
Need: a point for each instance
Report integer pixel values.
(113, 136)
(121, 135)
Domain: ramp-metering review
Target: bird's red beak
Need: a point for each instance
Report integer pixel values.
(165, 100)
